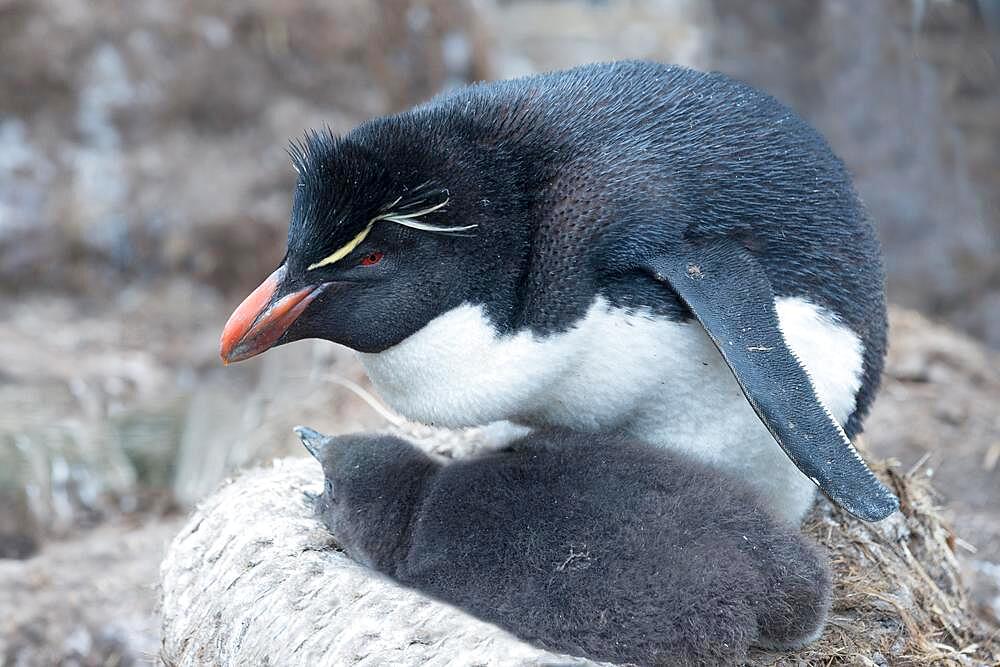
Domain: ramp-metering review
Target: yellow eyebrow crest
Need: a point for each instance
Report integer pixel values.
(405, 219)
(344, 251)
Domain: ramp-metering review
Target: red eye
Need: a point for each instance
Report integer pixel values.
(372, 259)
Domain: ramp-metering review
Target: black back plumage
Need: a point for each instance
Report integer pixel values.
(589, 545)
(573, 178)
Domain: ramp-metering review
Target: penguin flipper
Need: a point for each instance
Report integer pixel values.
(729, 293)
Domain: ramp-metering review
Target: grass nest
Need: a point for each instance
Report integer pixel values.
(898, 596)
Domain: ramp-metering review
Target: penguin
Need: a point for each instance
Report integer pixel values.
(628, 247)
(593, 545)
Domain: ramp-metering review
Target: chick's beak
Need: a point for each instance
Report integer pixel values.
(258, 322)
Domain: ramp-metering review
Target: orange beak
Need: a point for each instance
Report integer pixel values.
(257, 323)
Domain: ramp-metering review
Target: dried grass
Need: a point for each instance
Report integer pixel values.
(898, 597)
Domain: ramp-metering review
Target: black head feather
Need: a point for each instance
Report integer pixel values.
(344, 186)
(341, 186)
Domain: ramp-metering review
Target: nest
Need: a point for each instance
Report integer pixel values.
(254, 578)
(898, 596)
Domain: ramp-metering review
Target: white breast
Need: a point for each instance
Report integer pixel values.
(659, 380)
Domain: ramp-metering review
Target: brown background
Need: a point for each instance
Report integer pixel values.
(144, 189)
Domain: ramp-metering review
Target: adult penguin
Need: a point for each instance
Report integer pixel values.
(626, 246)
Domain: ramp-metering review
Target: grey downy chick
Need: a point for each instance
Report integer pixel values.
(591, 545)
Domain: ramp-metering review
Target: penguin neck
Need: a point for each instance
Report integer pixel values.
(504, 283)
(499, 177)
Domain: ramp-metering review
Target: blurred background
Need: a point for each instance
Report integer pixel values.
(144, 189)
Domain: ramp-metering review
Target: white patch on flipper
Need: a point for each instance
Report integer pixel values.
(830, 352)
(616, 369)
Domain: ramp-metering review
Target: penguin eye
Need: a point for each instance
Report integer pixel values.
(372, 258)
(329, 488)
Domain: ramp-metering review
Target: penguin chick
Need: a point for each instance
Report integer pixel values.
(617, 247)
(591, 545)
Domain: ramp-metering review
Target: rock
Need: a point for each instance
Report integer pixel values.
(148, 139)
(85, 601)
(20, 533)
(908, 94)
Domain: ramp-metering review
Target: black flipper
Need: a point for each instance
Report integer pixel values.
(731, 296)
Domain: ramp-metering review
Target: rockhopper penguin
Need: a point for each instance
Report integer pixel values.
(592, 545)
(626, 246)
